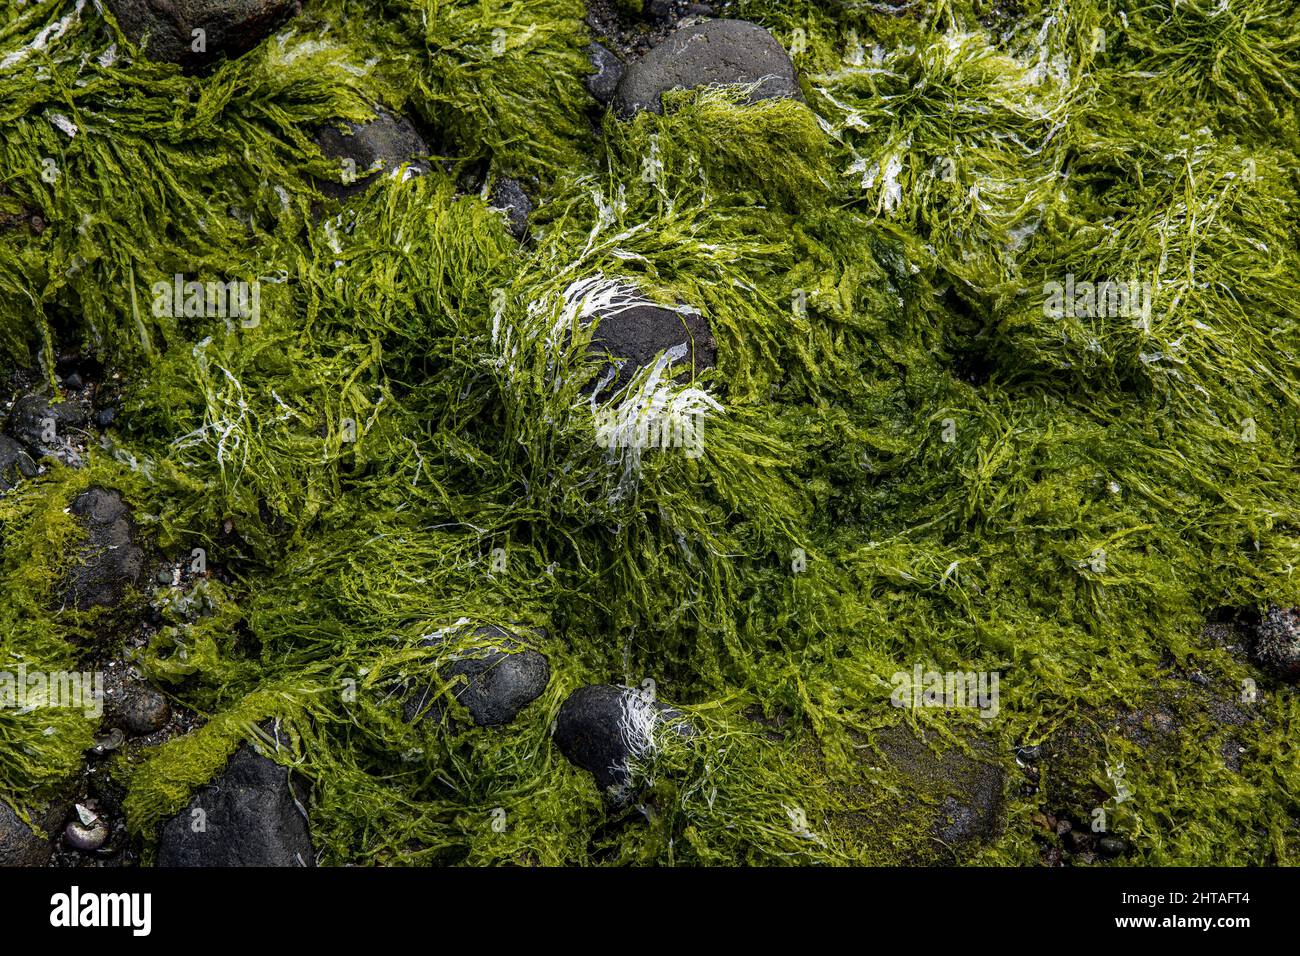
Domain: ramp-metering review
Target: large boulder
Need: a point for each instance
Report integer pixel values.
(712, 53)
(109, 562)
(494, 679)
(248, 816)
(367, 150)
(166, 29)
(610, 731)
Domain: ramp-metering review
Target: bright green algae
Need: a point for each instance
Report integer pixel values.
(948, 163)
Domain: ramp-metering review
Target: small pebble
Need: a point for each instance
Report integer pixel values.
(144, 711)
(1112, 846)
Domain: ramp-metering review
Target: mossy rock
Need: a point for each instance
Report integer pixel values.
(919, 799)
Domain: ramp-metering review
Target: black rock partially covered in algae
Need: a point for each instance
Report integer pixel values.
(1277, 642)
(607, 730)
(46, 425)
(366, 150)
(248, 816)
(494, 683)
(714, 53)
(603, 84)
(20, 845)
(1093, 762)
(109, 561)
(15, 463)
(509, 196)
(630, 339)
(195, 33)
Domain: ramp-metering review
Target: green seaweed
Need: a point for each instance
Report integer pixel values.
(914, 461)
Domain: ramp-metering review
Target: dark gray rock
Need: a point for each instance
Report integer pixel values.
(15, 463)
(509, 196)
(19, 844)
(246, 817)
(165, 28)
(45, 425)
(494, 682)
(142, 710)
(603, 84)
(606, 730)
(712, 53)
(375, 148)
(1112, 846)
(632, 338)
(109, 561)
(1277, 642)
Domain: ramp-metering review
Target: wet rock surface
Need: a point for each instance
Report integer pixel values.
(1277, 643)
(230, 27)
(15, 463)
(967, 790)
(609, 70)
(248, 816)
(109, 561)
(711, 53)
(20, 845)
(50, 426)
(631, 33)
(373, 149)
(494, 683)
(631, 338)
(509, 196)
(606, 730)
(142, 710)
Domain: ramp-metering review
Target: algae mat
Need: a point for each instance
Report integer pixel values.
(967, 534)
